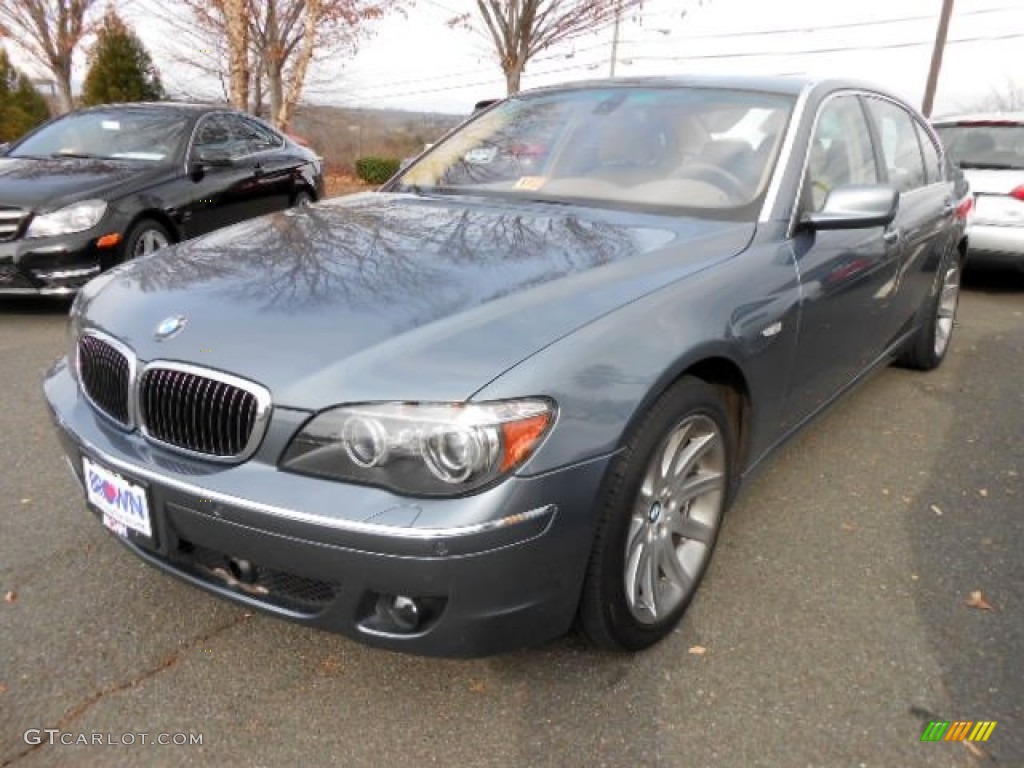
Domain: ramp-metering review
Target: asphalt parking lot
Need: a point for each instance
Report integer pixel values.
(836, 621)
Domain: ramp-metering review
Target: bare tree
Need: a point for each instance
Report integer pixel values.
(49, 31)
(520, 29)
(1008, 97)
(257, 47)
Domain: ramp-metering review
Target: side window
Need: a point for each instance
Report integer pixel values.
(900, 148)
(932, 162)
(840, 150)
(257, 136)
(217, 132)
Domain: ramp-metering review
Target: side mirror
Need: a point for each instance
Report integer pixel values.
(855, 206)
(4, 147)
(213, 158)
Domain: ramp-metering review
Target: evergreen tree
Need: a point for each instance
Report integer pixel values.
(120, 68)
(22, 107)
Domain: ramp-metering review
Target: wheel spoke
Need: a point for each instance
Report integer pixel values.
(695, 450)
(633, 558)
(671, 567)
(704, 481)
(689, 528)
(672, 447)
(649, 578)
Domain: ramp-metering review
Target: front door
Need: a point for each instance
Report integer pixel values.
(848, 277)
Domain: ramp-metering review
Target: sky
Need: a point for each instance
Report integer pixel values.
(416, 62)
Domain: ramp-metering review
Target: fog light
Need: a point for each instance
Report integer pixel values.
(403, 612)
(242, 570)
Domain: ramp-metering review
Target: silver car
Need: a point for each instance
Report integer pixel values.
(990, 150)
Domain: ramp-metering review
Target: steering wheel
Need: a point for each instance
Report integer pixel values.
(717, 176)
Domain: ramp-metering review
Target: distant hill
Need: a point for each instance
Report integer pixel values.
(341, 134)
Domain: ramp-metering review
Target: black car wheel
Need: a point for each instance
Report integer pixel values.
(662, 510)
(144, 238)
(302, 199)
(928, 347)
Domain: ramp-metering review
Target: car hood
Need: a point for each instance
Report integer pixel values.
(395, 297)
(48, 184)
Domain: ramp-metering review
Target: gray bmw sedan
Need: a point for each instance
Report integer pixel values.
(516, 388)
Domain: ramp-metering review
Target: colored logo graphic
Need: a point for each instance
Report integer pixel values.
(958, 730)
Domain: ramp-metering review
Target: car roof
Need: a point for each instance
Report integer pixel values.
(981, 117)
(782, 84)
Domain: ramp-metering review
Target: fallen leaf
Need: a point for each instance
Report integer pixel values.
(936, 510)
(10, 596)
(25, 501)
(983, 491)
(698, 650)
(330, 665)
(975, 750)
(3, 688)
(978, 600)
(914, 577)
(478, 686)
(848, 526)
(885, 491)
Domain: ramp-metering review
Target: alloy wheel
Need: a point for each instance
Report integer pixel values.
(149, 240)
(949, 295)
(675, 519)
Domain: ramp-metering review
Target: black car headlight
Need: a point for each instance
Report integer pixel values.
(421, 449)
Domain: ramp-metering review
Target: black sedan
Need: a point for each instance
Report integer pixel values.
(520, 385)
(97, 187)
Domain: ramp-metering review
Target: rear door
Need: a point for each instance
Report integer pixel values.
(847, 276)
(925, 221)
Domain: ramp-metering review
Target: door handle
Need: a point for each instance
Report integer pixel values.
(949, 208)
(891, 236)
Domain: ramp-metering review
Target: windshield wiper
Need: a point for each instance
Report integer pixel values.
(72, 153)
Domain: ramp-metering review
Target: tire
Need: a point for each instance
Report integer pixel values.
(643, 570)
(145, 237)
(303, 198)
(926, 350)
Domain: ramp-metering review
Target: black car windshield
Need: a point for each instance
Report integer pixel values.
(985, 144)
(697, 149)
(148, 135)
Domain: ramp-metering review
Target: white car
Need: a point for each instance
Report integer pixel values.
(990, 150)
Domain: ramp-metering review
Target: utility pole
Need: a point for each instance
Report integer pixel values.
(937, 51)
(615, 38)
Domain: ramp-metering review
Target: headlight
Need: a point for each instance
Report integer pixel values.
(70, 218)
(421, 449)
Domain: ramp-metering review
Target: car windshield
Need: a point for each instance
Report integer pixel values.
(985, 144)
(151, 135)
(701, 150)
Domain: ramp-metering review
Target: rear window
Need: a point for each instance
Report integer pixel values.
(985, 145)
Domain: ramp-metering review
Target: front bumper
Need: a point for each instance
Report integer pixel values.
(997, 245)
(51, 266)
(491, 572)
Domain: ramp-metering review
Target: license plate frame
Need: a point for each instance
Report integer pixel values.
(123, 503)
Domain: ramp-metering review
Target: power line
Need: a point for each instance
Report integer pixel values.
(843, 49)
(597, 64)
(688, 38)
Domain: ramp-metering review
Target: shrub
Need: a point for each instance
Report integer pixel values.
(376, 170)
(22, 107)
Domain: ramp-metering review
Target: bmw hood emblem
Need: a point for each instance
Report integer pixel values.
(169, 327)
